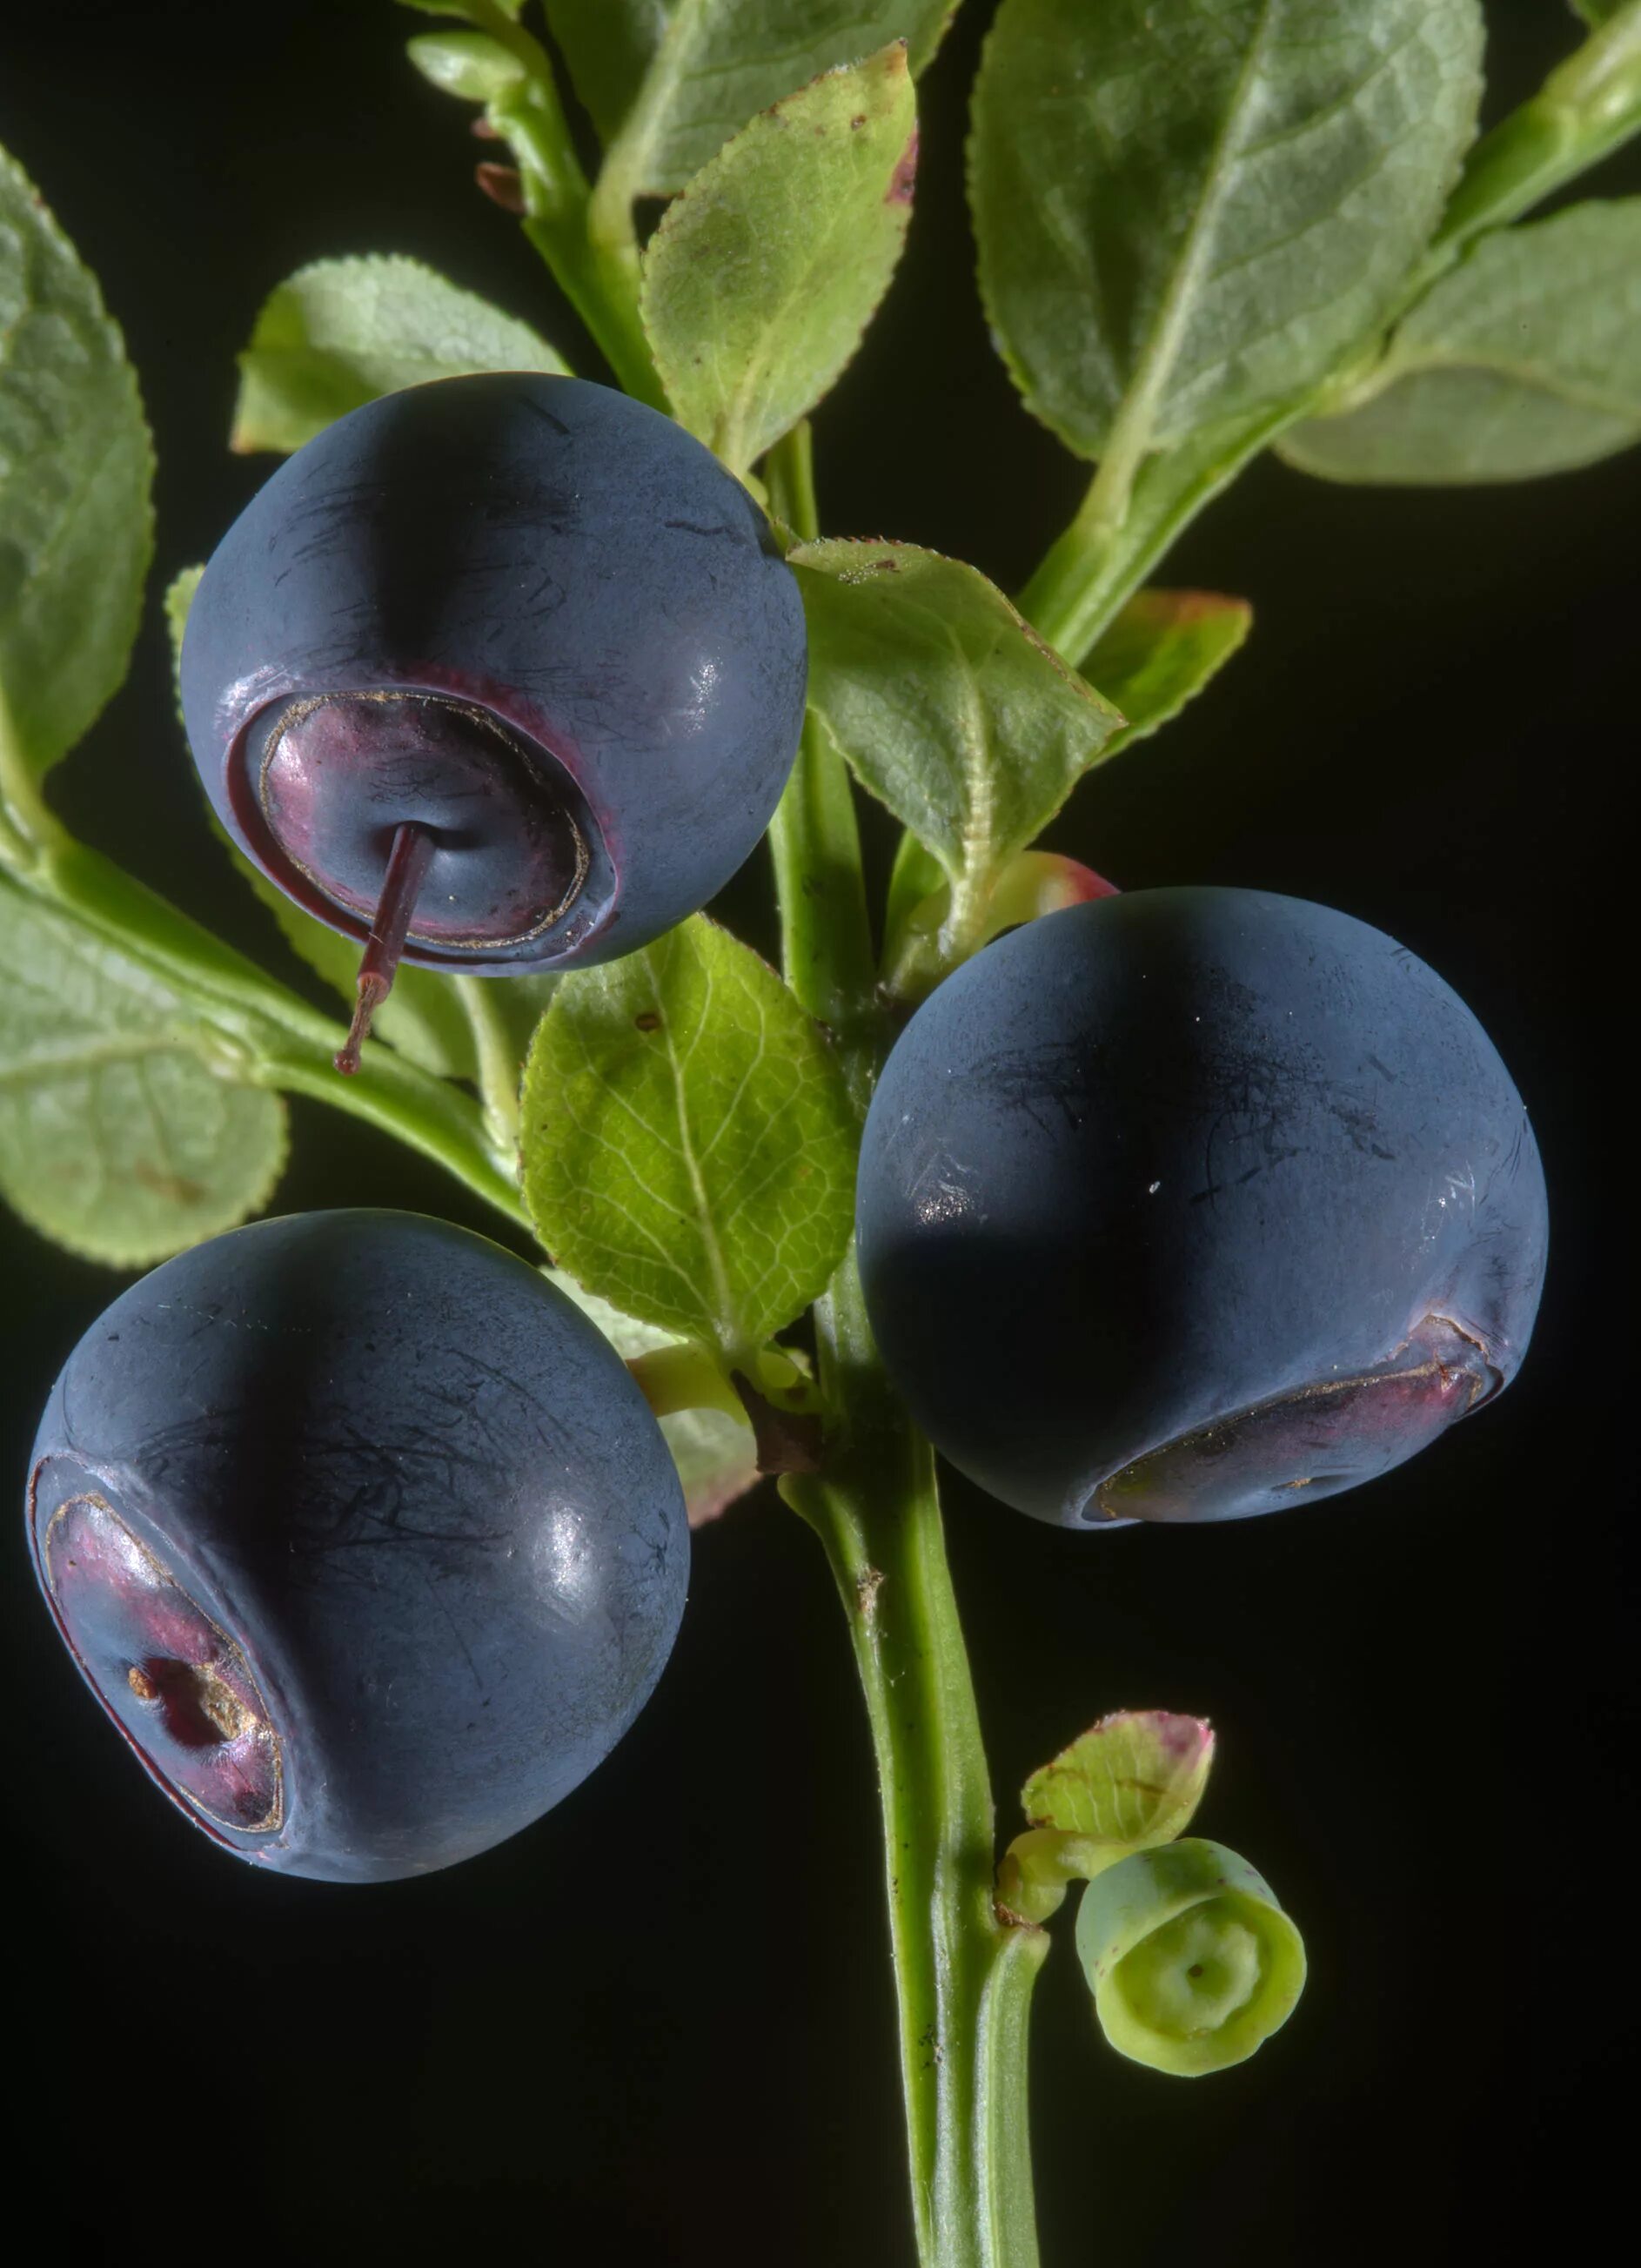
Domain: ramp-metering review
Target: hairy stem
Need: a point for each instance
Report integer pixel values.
(963, 1980)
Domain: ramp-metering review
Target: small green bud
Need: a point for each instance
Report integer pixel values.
(1192, 1963)
(467, 64)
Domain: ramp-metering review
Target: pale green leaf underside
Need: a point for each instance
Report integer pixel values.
(762, 277)
(1187, 211)
(715, 1456)
(1134, 1778)
(338, 334)
(1524, 359)
(76, 469)
(1159, 653)
(948, 707)
(688, 1144)
(678, 79)
(117, 1137)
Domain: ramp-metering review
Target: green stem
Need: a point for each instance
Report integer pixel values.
(499, 1065)
(1587, 107)
(963, 1979)
(598, 275)
(814, 841)
(1090, 571)
(266, 1035)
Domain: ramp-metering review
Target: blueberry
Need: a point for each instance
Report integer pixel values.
(1191, 1204)
(506, 669)
(361, 1534)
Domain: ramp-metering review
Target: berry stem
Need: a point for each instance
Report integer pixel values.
(407, 868)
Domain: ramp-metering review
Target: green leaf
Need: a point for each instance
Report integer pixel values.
(715, 1453)
(1525, 358)
(1184, 213)
(340, 332)
(947, 705)
(1597, 12)
(122, 1134)
(715, 65)
(764, 275)
(1161, 652)
(1135, 1779)
(688, 1144)
(75, 471)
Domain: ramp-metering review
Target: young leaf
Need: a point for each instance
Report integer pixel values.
(764, 274)
(1184, 215)
(948, 706)
(1130, 1782)
(689, 1145)
(1596, 12)
(710, 65)
(75, 471)
(120, 1136)
(1135, 1779)
(715, 1453)
(1161, 652)
(339, 333)
(1524, 359)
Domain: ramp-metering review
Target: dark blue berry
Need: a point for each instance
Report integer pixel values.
(361, 1534)
(506, 669)
(1191, 1204)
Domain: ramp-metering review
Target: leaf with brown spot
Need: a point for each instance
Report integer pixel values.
(764, 275)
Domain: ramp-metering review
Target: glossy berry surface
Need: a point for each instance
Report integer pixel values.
(361, 1534)
(1191, 1204)
(526, 617)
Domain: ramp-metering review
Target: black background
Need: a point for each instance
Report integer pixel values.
(658, 2026)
